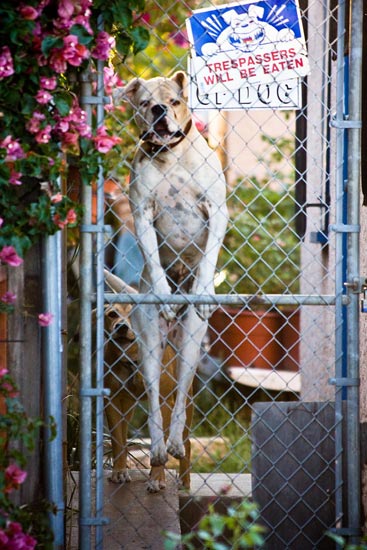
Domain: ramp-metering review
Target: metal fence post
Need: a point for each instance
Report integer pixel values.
(53, 387)
(353, 270)
(85, 356)
(100, 323)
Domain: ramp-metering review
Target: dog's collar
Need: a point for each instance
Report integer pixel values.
(155, 148)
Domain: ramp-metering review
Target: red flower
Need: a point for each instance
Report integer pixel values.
(28, 12)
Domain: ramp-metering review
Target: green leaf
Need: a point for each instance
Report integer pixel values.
(83, 35)
(140, 37)
(51, 42)
(63, 102)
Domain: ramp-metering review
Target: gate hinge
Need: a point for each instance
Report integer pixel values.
(342, 382)
(94, 392)
(345, 123)
(345, 228)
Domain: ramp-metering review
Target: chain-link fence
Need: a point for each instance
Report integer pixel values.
(264, 412)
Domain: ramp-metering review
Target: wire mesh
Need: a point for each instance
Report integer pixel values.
(260, 413)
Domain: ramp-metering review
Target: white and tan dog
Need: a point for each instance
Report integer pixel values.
(177, 196)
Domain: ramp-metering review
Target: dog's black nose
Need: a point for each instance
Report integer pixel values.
(159, 110)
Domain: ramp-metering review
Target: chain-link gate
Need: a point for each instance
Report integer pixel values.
(275, 396)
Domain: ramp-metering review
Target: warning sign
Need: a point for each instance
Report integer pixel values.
(246, 42)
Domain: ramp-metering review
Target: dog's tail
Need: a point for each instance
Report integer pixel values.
(118, 285)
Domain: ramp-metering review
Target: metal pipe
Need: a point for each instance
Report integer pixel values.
(52, 361)
(353, 269)
(339, 269)
(85, 353)
(100, 322)
(247, 300)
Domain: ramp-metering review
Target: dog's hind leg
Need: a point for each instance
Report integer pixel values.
(146, 327)
(185, 461)
(190, 334)
(119, 412)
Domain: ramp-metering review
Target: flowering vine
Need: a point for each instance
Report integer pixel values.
(44, 45)
(20, 527)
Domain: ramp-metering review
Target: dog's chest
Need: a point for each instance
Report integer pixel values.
(180, 212)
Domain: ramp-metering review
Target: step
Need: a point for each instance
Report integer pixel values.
(137, 518)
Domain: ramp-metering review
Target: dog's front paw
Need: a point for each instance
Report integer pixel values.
(158, 455)
(120, 476)
(168, 312)
(175, 448)
(205, 311)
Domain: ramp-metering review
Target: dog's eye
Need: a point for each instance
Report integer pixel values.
(175, 102)
(144, 103)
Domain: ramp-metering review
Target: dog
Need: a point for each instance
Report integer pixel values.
(178, 200)
(123, 378)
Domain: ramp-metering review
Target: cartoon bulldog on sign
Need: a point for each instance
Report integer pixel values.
(245, 32)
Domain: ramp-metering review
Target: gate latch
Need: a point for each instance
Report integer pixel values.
(364, 298)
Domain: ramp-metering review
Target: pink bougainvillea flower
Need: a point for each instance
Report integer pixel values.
(180, 39)
(48, 82)
(1, 221)
(14, 476)
(103, 141)
(43, 97)
(6, 62)
(104, 44)
(71, 216)
(9, 256)
(65, 9)
(45, 319)
(28, 12)
(145, 18)
(15, 178)
(13, 538)
(44, 135)
(3, 371)
(57, 198)
(111, 80)
(73, 52)
(8, 297)
(14, 150)
(34, 124)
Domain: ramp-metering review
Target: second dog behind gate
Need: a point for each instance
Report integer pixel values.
(123, 378)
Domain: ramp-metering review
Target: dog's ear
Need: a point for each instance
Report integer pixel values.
(181, 79)
(126, 93)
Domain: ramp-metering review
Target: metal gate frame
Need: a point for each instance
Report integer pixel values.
(346, 296)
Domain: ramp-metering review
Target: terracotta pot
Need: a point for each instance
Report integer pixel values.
(263, 339)
(246, 338)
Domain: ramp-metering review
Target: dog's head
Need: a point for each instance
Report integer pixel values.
(160, 106)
